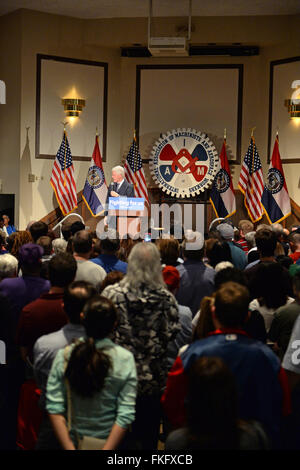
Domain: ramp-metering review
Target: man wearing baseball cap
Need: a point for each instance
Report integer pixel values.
(196, 279)
(238, 256)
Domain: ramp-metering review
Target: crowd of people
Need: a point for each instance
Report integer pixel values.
(190, 343)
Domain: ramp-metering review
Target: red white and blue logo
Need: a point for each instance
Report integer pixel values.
(184, 162)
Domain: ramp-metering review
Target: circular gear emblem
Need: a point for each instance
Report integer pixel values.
(184, 162)
(222, 181)
(275, 181)
(95, 177)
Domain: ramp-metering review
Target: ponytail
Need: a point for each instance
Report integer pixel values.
(87, 369)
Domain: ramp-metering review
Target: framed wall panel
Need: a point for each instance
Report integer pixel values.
(282, 74)
(207, 98)
(60, 77)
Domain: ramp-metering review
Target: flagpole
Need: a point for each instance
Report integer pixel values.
(253, 144)
(134, 158)
(65, 123)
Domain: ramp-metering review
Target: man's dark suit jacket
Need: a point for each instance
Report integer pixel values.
(126, 190)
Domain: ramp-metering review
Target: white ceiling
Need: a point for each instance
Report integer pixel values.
(139, 8)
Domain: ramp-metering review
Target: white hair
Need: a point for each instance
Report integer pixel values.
(119, 169)
(223, 265)
(250, 239)
(8, 266)
(59, 245)
(144, 267)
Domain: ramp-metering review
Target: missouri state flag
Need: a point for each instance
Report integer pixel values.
(222, 195)
(275, 198)
(95, 188)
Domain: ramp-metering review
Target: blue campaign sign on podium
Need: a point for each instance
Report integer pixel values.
(132, 204)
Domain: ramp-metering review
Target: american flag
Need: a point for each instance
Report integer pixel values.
(251, 182)
(62, 178)
(134, 172)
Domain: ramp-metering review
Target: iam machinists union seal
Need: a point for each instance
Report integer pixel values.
(184, 162)
(95, 177)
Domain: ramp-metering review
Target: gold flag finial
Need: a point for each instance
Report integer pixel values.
(252, 131)
(65, 123)
(134, 135)
(225, 133)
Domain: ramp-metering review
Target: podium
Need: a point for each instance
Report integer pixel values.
(125, 214)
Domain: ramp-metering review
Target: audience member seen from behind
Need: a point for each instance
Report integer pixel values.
(37, 230)
(20, 291)
(86, 270)
(59, 245)
(212, 413)
(217, 251)
(238, 256)
(110, 245)
(169, 249)
(148, 321)
(184, 336)
(245, 226)
(263, 393)
(284, 319)
(101, 377)
(272, 288)
(111, 278)
(196, 279)
(46, 314)
(45, 348)
(8, 266)
(19, 239)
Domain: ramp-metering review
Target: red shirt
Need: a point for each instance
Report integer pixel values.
(295, 256)
(243, 244)
(40, 317)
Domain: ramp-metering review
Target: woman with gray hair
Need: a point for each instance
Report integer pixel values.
(8, 266)
(148, 321)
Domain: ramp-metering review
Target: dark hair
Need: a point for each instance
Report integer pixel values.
(296, 283)
(77, 227)
(110, 245)
(82, 241)
(231, 303)
(62, 269)
(100, 316)
(89, 366)
(75, 297)
(205, 322)
(271, 284)
(284, 261)
(126, 245)
(112, 278)
(230, 275)
(87, 369)
(46, 243)
(37, 230)
(266, 242)
(212, 417)
(11, 240)
(219, 251)
(169, 249)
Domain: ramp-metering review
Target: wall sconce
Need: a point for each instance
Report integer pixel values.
(293, 107)
(73, 107)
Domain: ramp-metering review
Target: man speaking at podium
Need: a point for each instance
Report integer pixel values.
(118, 187)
